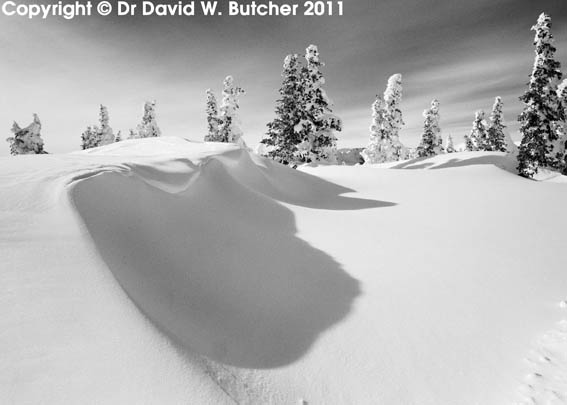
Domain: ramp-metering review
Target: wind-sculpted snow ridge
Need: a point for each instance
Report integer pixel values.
(212, 257)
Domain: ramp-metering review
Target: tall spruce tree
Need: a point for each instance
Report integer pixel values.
(384, 144)
(213, 120)
(284, 132)
(542, 112)
(319, 124)
(496, 136)
(229, 129)
(394, 122)
(431, 140)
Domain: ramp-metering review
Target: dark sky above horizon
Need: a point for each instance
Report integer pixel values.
(464, 53)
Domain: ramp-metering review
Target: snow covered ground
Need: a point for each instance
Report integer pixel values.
(166, 271)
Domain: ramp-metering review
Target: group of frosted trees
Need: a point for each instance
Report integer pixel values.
(304, 127)
(491, 136)
(103, 134)
(28, 141)
(543, 121)
(303, 130)
(98, 135)
(385, 144)
(223, 123)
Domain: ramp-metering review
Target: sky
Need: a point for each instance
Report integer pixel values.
(463, 53)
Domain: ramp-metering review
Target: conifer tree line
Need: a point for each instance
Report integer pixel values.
(543, 121)
(28, 140)
(95, 136)
(304, 127)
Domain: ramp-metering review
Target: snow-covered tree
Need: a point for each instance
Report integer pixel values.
(560, 146)
(393, 99)
(496, 137)
(89, 138)
(229, 129)
(94, 135)
(385, 145)
(318, 124)
(213, 120)
(542, 112)
(449, 146)
(284, 132)
(118, 136)
(379, 148)
(431, 140)
(148, 128)
(478, 138)
(27, 141)
(106, 134)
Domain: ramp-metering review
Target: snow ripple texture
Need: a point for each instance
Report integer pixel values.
(547, 383)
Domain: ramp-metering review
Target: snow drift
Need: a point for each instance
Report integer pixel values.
(167, 271)
(213, 259)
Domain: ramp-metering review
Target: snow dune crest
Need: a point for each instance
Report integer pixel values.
(214, 261)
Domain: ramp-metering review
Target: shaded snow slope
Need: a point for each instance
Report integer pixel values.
(68, 333)
(167, 271)
(218, 265)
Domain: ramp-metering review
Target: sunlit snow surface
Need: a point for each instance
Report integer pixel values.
(167, 271)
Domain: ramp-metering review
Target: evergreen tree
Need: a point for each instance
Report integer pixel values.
(27, 141)
(379, 148)
(148, 128)
(469, 145)
(385, 145)
(213, 120)
(118, 136)
(542, 112)
(431, 141)
(284, 132)
(90, 137)
(394, 122)
(94, 135)
(496, 136)
(478, 138)
(560, 146)
(318, 124)
(229, 129)
(449, 146)
(106, 135)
